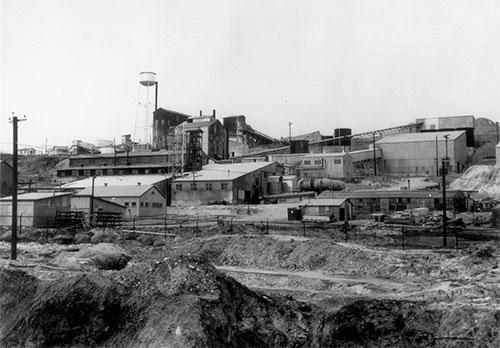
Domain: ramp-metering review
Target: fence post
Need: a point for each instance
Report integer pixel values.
(20, 223)
(267, 224)
(133, 223)
(165, 226)
(403, 236)
(231, 226)
(304, 224)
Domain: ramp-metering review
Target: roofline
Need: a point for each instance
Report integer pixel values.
(148, 187)
(172, 111)
(7, 163)
(190, 179)
(21, 199)
(102, 199)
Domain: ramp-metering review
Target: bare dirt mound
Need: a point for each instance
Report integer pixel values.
(482, 178)
(178, 302)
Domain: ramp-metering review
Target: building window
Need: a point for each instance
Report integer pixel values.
(178, 187)
(127, 204)
(146, 204)
(134, 204)
(307, 162)
(208, 187)
(194, 187)
(142, 204)
(318, 162)
(152, 193)
(224, 186)
(337, 161)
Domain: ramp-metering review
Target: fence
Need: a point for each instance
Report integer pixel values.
(394, 236)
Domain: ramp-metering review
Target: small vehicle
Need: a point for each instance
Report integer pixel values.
(415, 216)
(400, 217)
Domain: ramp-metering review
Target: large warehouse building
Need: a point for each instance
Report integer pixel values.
(421, 154)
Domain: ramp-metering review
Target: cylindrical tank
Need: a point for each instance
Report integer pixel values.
(342, 136)
(147, 78)
(299, 146)
(321, 184)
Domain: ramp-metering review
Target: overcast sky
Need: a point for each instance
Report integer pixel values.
(72, 66)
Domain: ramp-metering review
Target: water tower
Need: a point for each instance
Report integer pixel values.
(145, 123)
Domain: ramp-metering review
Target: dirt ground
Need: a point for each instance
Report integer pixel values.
(250, 288)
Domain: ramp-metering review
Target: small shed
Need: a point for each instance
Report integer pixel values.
(36, 209)
(340, 208)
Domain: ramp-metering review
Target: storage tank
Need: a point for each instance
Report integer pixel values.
(342, 136)
(299, 146)
(320, 184)
(147, 78)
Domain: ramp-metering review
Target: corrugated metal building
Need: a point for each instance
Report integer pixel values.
(420, 154)
(231, 183)
(449, 123)
(37, 209)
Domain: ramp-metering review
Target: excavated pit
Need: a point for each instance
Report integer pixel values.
(249, 291)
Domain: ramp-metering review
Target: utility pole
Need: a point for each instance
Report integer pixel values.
(13, 243)
(444, 168)
(374, 157)
(91, 210)
(290, 134)
(437, 158)
(497, 132)
(446, 137)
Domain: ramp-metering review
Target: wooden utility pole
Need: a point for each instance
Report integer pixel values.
(443, 170)
(13, 243)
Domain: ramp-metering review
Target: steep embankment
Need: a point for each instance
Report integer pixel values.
(482, 178)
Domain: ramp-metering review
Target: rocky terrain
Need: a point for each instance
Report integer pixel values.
(248, 289)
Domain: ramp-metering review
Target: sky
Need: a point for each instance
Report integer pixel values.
(72, 66)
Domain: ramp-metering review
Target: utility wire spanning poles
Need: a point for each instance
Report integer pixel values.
(13, 244)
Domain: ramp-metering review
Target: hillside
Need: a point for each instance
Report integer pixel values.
(37, 168)
(482, 178)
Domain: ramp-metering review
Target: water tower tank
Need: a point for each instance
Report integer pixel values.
(148, 78)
